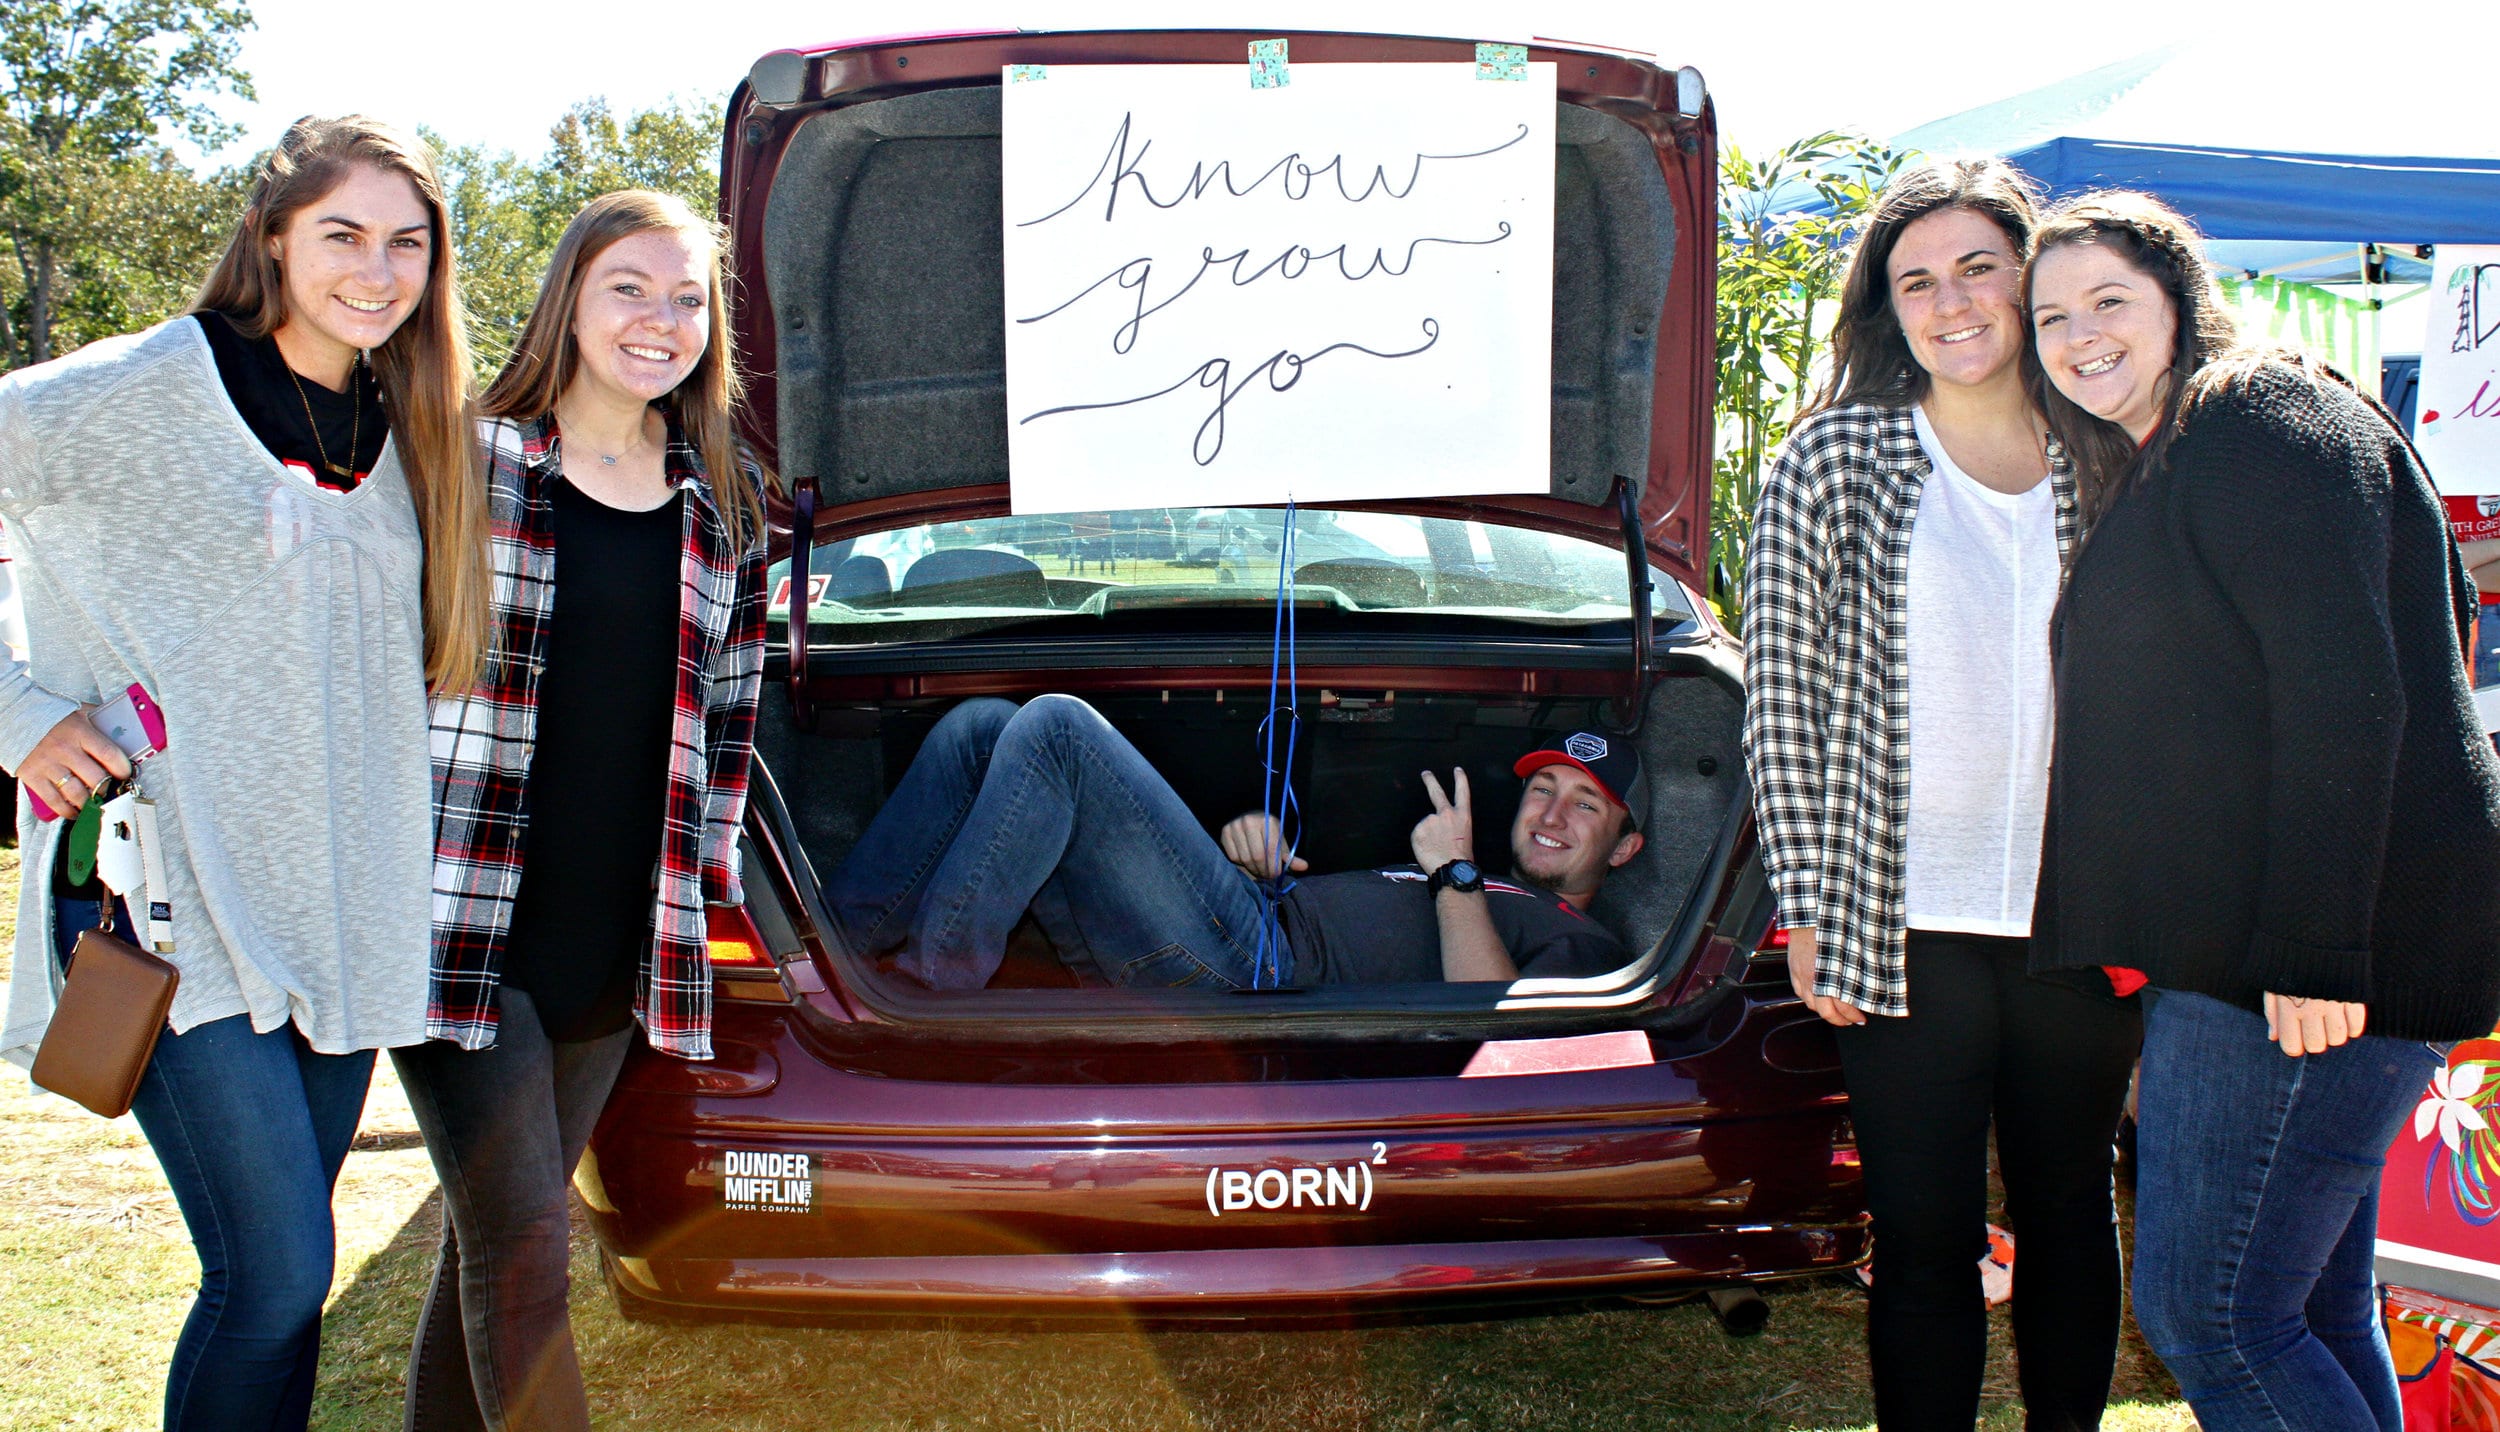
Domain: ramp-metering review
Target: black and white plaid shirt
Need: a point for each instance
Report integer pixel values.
(1827, 685)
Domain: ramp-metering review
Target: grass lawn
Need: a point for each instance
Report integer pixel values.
(96, 1274)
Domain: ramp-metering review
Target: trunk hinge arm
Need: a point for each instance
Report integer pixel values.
(1631, 710)
(802, 544)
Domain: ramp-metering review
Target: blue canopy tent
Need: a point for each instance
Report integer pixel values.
(2263, 140)
(2275, 195)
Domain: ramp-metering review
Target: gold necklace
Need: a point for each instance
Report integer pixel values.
(355, 422)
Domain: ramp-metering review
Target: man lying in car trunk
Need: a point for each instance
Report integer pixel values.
(1046, 807)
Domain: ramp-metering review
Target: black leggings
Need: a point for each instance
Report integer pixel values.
(2049, 1062)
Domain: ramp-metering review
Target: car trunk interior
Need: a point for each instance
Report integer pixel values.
(1357, 774)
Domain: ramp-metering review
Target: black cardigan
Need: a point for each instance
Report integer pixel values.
(2269, 771)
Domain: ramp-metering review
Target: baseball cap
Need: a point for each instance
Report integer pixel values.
(1609, 761)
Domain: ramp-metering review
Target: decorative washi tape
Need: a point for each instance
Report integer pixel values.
(1020, 74)
(1267, 65)
(1501, 62)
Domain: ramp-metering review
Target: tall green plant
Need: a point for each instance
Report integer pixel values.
(508, 212)
(1775, 265)
(102, 228)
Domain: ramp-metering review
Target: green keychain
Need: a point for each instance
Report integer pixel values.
(83, 832)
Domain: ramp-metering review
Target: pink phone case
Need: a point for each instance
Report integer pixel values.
(151, 724)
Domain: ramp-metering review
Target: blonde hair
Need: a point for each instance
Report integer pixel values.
(546, 357)
(423, 367)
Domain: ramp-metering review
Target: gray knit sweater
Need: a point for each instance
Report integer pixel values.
(280, 629)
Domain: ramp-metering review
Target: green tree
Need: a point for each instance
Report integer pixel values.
(1775, 265)
(105, 226)
(507, 213)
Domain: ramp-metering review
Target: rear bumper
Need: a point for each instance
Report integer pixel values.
(1232, 1283)
(770, 1183)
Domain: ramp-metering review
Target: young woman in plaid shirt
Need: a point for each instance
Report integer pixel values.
(1907, 556)
(588, 793)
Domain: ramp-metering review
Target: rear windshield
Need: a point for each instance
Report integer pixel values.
(948, 579)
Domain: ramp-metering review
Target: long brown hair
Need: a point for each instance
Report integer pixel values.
(423, 367)
(546, 357)
(1871, 360)
(2158, 242)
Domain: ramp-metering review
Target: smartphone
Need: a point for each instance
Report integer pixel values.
(131, 721)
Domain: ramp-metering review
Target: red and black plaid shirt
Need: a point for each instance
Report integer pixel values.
(482, 745)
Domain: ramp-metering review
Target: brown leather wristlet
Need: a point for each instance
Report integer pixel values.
(104, 1028)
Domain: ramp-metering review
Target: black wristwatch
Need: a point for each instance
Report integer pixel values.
(1459, 875)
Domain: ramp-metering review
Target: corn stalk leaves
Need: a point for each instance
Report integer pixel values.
(1779, 256)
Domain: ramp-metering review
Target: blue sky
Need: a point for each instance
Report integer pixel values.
(501, 71)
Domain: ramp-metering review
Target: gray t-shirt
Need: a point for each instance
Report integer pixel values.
(280, 629)
(1379, 927)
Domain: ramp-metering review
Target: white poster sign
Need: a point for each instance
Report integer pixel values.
(1334, 288)
(2456, 419)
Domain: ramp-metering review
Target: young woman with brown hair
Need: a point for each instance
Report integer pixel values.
(264, 513)
(1907, 553)
(2272, 793)
(609, 741)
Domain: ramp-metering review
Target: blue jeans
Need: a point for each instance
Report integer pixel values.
(251, 1130)
(2257, 1216)
(1046, 807)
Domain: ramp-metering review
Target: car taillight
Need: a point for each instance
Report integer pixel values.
(735, 943)
(1766, 965)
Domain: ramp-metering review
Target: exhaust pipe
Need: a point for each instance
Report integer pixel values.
(1740, 1311)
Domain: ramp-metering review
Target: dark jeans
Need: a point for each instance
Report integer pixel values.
(1045, 806)
(2048, 1063)
(2256, 1216)
(505, 1127)
(251, 1130)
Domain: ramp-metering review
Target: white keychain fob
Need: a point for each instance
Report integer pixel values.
(118, 862)
(131, 864)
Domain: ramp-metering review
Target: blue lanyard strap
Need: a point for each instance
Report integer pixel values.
(1277, 804)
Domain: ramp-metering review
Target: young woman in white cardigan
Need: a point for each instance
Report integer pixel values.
(264, 512)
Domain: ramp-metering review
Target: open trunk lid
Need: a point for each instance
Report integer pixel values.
(861, 183)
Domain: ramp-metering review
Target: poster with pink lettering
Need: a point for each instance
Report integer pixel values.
(2457, 416)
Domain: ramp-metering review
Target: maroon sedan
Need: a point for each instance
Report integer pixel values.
(1046, 1145)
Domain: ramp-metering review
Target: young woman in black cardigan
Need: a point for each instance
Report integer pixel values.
(2271, 793)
